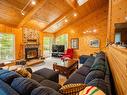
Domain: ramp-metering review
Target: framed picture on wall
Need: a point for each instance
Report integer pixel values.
(95, 43)
(75, 43)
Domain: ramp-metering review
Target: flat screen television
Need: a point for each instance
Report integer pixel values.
(58, 48)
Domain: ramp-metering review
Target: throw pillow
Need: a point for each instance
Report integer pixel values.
(91, 90)
(24, 72)
(72, 89)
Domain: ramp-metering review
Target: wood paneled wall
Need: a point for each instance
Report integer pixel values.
(117, 14)
(18, 38)
(118, 63)
(97, 20)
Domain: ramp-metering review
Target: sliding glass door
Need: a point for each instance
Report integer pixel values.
(47, 44)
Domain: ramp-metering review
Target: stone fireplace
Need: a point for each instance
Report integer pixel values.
(31, 44)
(31, 53)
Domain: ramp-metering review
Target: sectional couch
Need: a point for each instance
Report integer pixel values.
(94, 72)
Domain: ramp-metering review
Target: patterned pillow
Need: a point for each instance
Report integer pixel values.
(23, 72)
(72, 89)
(91, 90)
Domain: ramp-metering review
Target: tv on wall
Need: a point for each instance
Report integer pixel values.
(58, 48)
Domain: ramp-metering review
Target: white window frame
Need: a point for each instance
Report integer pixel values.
(13, 49)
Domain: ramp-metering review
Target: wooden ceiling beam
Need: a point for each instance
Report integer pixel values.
(57, 19)
(31, 13)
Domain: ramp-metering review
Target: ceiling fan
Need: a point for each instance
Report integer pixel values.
(75, 3)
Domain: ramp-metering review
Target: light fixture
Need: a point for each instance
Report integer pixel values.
(33, 2)
(22, 12)
(126, 18)
(75, 14)
(66, 20)
(95, 30)
(84, 32)
(81, 2)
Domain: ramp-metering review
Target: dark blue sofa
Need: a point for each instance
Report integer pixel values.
(12, 83)
(94, 72)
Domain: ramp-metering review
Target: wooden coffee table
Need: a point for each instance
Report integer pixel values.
(66, 68)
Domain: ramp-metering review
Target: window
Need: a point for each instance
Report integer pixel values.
(62, 40)
(7, 47)
(118, 37)
(47, 46)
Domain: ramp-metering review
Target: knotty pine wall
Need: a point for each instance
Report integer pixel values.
(117, 14)
(97, 20)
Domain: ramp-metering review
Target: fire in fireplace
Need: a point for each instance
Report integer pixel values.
(31, 53)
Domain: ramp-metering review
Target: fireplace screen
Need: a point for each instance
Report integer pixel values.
(31, 53)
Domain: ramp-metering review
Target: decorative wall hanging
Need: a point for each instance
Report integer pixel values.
(95, 43)
(75, 43)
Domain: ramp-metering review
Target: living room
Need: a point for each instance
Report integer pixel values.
(71, 45)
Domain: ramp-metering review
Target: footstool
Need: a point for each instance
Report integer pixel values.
(48, 74)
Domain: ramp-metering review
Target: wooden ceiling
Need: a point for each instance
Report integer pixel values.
(46, 15)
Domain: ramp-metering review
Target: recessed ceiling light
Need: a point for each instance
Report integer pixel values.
(75, 14)
(81, 2)
(22, 12)
(95, 30)
(84, 32)
(66, 20)
(90, 31)
(126, 18)
(33, 2)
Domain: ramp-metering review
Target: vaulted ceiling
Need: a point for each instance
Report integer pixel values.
(46, 15)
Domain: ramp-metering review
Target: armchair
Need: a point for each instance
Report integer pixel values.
(68, 54)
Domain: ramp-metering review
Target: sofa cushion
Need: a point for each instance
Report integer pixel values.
(24, 86)
(51, 84)
(91, 90)
(72, 89)
(38, 78)
(75, 78)
(44, 91)
(48, 74)
(98, 67)
(101, 55)
(23, 72)
(83, 58)
(99, 61)
(100, 83)
(99, 64)
(5, 89)
(94, 74)
(8, 76)
(89, 62)
(84, 70)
